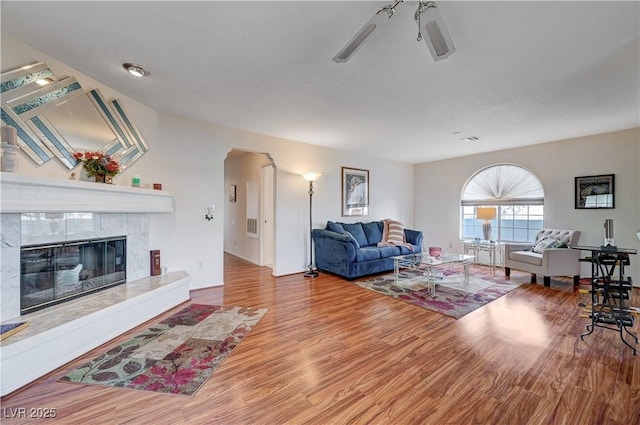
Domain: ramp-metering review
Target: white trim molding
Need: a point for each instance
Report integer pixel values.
(21, 193)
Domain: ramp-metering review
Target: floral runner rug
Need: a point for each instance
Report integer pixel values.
(452, 297)
(175, 356)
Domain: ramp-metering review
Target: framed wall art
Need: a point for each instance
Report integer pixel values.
(355, 191)
(595, 192)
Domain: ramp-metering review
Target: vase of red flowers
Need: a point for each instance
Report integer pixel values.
(98, 164)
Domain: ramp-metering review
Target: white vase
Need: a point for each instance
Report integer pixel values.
(9, 160)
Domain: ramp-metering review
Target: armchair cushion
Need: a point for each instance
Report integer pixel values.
(570, 237)
(528, 257)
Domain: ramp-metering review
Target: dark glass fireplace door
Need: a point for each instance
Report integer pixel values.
(51, 274)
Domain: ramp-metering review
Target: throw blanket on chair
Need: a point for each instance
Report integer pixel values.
(393, 234)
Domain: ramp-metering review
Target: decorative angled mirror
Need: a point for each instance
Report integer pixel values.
(60, 118)
(31, 107)
(139, 146)
(15, 84)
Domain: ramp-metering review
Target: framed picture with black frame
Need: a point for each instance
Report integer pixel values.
(355, 191)
(595, 192)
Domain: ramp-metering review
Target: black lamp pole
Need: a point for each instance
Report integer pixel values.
(311, 272)
(311, 176)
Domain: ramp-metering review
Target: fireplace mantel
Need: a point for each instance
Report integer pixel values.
(22, 193)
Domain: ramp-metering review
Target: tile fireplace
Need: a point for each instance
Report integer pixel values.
(39, 212)
(83, 220)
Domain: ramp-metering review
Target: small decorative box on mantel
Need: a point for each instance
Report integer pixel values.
(156, 268)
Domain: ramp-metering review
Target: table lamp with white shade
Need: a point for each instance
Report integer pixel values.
(486, 214)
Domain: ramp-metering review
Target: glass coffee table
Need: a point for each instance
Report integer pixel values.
(429, 268)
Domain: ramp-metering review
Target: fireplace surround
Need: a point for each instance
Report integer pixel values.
(39, 211)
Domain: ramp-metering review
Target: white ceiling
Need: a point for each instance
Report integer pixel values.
(523, 72)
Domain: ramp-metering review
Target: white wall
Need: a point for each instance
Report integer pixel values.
(439, 184)
(194, 170)
(203, 149)
(187, 157)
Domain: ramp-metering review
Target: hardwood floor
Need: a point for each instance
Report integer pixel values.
(329, 352)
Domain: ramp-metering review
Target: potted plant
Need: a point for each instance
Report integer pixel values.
(97, 164)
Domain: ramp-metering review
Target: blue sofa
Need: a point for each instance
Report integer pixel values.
(351, 249)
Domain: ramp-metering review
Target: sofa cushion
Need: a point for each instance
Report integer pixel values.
(404, 249)
(350, 236)
(367, 254)
(373, 232)
(357, 231)
(389, 251)
(528, 257)
(335, 227)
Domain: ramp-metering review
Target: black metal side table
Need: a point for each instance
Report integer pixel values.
(610, 292)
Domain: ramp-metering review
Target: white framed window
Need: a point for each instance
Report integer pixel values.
(515, 193)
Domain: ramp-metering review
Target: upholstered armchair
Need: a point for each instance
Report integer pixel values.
(550, 255)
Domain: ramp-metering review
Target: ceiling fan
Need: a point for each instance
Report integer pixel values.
(429, 23)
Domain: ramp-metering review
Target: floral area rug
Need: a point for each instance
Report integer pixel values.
(175, 356)
(452, 297)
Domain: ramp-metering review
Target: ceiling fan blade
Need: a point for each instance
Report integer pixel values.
(365, 33)
(432, 29)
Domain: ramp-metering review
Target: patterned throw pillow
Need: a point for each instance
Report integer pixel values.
(543, 244)
(558, 244)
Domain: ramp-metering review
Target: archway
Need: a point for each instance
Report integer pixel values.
(249, 208)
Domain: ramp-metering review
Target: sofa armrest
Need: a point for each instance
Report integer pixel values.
(333, 246)
(512, 247)
(561, 261)
(414, 237)
(339, 237)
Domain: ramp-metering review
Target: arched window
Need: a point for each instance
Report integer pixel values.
(514, 192)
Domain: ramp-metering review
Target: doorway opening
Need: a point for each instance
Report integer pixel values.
(249, 207)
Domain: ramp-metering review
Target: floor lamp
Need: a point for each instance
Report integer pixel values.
(486, 214)
(311, 176)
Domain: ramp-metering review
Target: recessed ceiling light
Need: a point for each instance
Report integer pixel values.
(44, 81)
(470, 139)
(135, 70)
